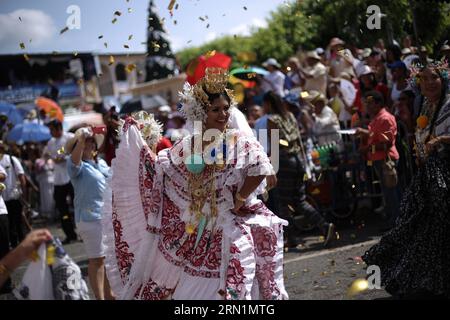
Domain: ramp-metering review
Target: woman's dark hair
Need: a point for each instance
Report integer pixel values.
(373, 83)
(396, 51)
(214, 96)
(376, 96)
(276, 104)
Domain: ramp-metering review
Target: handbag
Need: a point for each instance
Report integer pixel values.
(390, 177)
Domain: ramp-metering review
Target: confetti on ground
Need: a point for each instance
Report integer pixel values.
(64, 30)
(357, 286)
(22, 46)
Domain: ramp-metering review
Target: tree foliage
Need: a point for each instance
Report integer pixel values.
(309, 24)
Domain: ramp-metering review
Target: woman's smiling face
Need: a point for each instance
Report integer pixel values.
(218, 114)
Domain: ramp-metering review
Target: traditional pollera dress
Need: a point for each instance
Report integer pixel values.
(160, 245)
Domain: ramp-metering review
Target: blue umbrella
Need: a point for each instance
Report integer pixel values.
(29, 132)
(11, 112)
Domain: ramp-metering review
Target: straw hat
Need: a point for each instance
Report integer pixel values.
(313, 55)
(271, 62)
(99, 138)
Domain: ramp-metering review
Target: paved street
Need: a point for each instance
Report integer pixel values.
(311, 272)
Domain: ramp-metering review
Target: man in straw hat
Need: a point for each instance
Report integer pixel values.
(274, 81)
(315, 74)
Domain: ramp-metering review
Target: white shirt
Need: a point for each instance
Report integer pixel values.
(12, 175)
(318, 82)
(274, 81)
(326, 126)
(3, 209)
(61, 177)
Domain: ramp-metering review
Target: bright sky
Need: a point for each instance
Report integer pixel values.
(37, 24)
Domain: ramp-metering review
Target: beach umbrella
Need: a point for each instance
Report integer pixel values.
(50, 107)
(29, 132)
(248, 74)
(9, 110)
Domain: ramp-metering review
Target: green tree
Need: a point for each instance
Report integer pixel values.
(160, 62)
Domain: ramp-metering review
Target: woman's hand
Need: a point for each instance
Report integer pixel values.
(237, 208)
(432, 144)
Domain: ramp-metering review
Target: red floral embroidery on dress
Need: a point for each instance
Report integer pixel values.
(146, 174)
(173, 228)
(123, 256)
(265, 241)
(265, 274)
(129, 121)
(214, 256)
(153, 292)
(235, 277)
(201, 273)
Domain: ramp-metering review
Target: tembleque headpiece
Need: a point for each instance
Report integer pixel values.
(194, 99)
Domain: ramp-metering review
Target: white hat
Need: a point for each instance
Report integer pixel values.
(165, 109)
(406, 51)
(362, 70)
(271, 62)
(99, 138)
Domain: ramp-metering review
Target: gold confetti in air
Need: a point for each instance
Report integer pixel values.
(201, 18)
(111, 60)
(129, 68)
(251, 75)
(176, 7)
(130, 37)
(207, 26)
(175, 22)
(171, 4)
(118, 13)
(22, 46)
(106, 45)
(64, 30)
(100, 37)
(20, 19)
(337, 236)
(26, 57)
(189, 41)
(130, 10)
(75, 53)
(126, 46)
(357, 286)
(114, 20)
(245, 8)
(61, 151)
